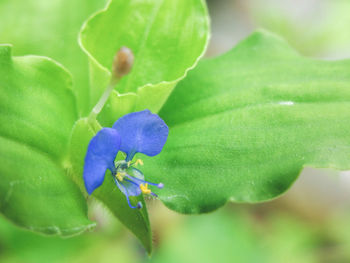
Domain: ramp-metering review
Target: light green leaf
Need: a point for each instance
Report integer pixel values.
(243, 125)
(109, 194)
(167, 39)
(50, 28)
(37, 112)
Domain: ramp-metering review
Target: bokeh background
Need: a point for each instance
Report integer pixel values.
(307, 224)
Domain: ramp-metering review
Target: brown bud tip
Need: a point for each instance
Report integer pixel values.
(122, 62)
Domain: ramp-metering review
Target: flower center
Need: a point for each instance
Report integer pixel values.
(126, 173)
(130, 180)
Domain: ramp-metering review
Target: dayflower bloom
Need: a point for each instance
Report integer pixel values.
(138, 132)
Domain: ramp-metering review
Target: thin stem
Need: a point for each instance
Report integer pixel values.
(102, 101)
(122, 64)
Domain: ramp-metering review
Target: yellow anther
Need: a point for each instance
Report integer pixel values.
(139, 161)
(120, 176)
(144, 189)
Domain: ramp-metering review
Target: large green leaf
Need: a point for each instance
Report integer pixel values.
(109, 194)
(243, 125)
(167, 39)
(50, 28)
(37, 112)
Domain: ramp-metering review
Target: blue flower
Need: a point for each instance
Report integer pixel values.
(138, 132)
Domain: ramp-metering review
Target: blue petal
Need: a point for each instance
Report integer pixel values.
(100, 156)
(128, 191)
(129, 188)
(142, 132)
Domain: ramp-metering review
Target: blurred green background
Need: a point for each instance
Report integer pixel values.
(308, 224)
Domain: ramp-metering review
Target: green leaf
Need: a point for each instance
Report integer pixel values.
(50, 28)
(167, 39)
(243, 125)
(109, 194)
(37, 112)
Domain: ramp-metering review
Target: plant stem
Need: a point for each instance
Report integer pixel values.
(122, 64)
(101, 102)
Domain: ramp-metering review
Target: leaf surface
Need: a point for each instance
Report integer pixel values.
(243, 125)
(50, 28)
(167, 39)
(37, 112)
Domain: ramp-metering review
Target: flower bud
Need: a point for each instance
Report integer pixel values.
(122, 62)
